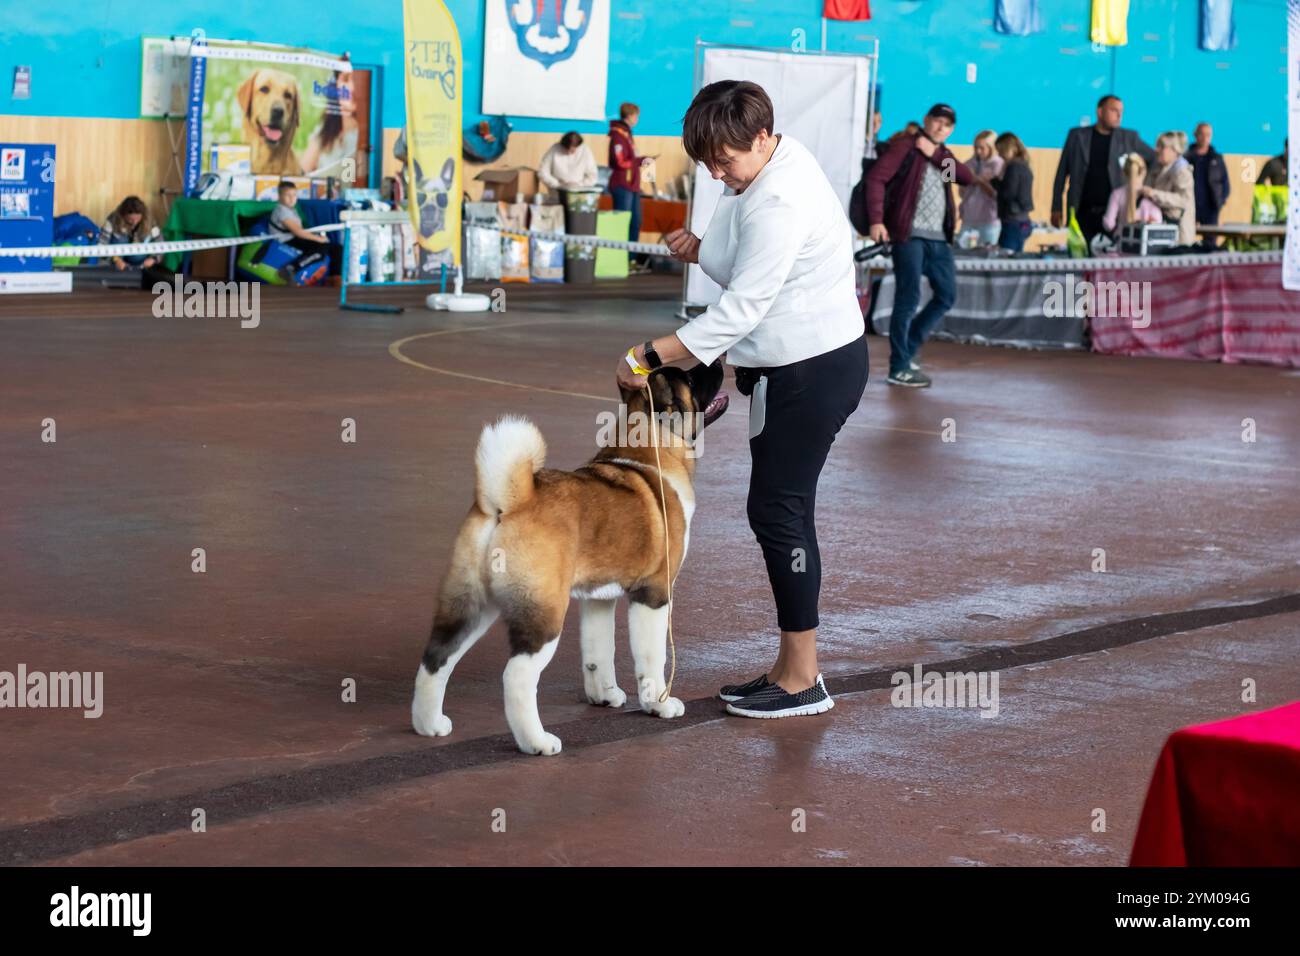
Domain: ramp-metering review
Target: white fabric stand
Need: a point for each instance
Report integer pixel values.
(1291, 264)
(820, 100)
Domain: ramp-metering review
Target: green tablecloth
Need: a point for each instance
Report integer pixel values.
(209, 218)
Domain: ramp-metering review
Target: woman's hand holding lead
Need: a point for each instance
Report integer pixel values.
(628, 378)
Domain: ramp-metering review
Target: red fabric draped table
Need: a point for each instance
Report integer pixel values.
(1226, 794)
(1220, 313)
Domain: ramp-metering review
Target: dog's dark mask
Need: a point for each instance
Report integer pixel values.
(703, 381)
(706, 381)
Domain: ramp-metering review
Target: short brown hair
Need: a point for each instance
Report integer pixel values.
(726, 113)
(627, 109)
(1010, 145)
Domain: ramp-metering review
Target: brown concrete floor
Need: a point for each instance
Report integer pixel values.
(223, 689)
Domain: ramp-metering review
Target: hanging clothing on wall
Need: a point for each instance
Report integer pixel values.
(1017, 17)
(1218, 32)
(1110, 22)
(847, 9)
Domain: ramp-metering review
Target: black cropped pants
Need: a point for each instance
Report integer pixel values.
(800, 409)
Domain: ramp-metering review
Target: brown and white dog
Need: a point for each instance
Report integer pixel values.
(269, 101)
(537, 536)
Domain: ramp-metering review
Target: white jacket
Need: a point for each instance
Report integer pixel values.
(782, 251)
(560, 170)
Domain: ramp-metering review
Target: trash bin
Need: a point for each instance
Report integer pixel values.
(580, 211)
(580, 207)
(579, 263)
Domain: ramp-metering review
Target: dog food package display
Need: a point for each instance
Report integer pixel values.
(409, 260)
(514, 248)
(237, 158)
(358, 255)
(580, 207)
(546, 256)
(380, 253)
(267, 188)
(482, 253)
(482, 246)
(579, 263)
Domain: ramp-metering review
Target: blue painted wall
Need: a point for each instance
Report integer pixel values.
(85, 58)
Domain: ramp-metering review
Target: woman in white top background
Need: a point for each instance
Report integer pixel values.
(781, 248)
(568, 164)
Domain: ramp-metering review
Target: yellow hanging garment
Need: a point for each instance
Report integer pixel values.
(1110, 22)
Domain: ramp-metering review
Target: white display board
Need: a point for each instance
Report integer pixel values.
(1291, 260)
(164, 76)
(819, 99)
(546, 59)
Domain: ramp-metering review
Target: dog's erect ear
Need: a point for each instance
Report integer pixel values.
(632, 398)
(245, 94)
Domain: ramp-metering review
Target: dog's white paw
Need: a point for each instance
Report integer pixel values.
(672, 707)
(431, 725)
(608, 697)
(547, 745)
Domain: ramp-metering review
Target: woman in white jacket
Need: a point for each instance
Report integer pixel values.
(568, 164)
(788, 318)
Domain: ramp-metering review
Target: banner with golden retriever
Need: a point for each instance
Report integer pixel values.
(433, 133)
(270, 111)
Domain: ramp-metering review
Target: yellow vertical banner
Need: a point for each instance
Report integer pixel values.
(1110, 22)
(433, 125)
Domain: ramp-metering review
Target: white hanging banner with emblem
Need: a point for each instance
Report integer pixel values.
(546, 58)
(1291, 261)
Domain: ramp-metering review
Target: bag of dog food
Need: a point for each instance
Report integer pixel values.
(311, 269)
(514, 248)
(546, 256)
(409, 260)
(380, 254)
(482, 246)
(358, 253)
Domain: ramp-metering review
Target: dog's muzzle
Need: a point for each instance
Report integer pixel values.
(713, 411)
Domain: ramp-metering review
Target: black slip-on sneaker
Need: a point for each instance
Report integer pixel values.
(776, 701)
(732, 692)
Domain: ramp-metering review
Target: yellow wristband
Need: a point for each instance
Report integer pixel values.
(630, 358)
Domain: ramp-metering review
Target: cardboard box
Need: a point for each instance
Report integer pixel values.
(237, 158)
(513, 184)
(268, 187)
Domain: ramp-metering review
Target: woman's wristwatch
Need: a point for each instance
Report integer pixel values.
(652, 359)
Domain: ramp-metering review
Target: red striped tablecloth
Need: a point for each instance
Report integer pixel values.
(1228, 313)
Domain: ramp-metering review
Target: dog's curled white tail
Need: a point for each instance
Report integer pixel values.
(509, 454)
